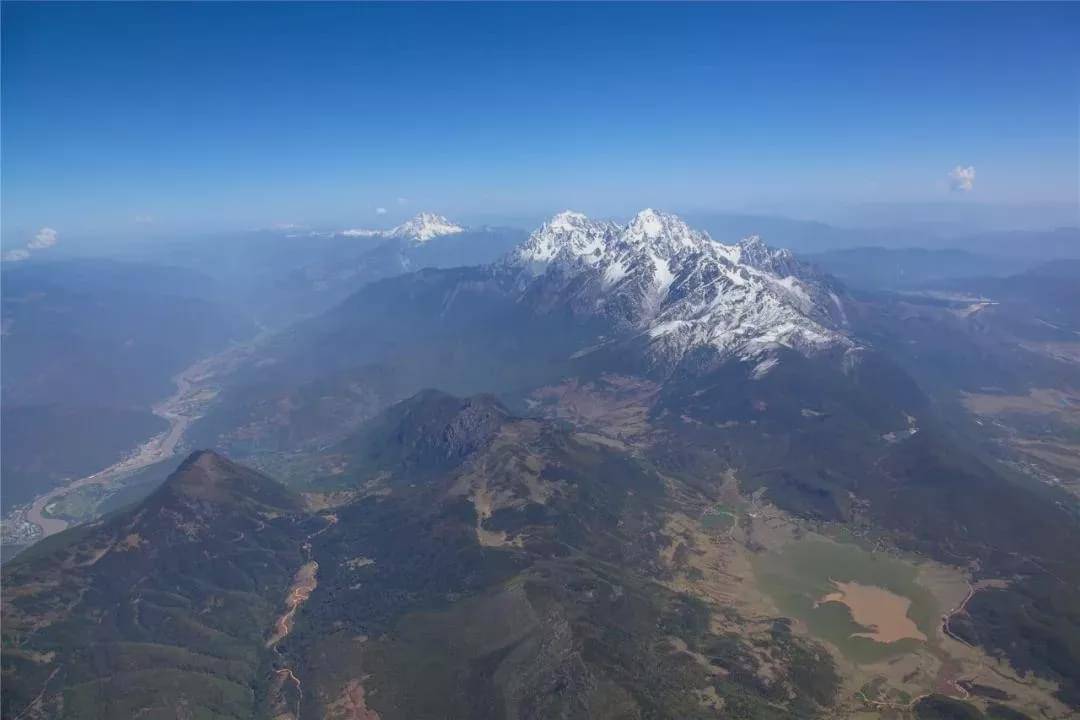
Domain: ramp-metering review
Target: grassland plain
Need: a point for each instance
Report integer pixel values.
(807, 578)
(767, 564)
(740, 547)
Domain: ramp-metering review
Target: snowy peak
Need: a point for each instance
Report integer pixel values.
(571, 236)
(424, 227)
(651, 224)
(419, 229)
(571, 239)
(567, 221)
(362, 232)
(753, 252)
(675, 286)
(669, 232)
(566, 237)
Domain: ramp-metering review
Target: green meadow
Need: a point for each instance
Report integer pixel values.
(802, 573)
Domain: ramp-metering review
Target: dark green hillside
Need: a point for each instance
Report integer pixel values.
(809, 431)
(1035, 624)
(163, 606)
(939, 707)
(490, 567)
(459, 330)
(428, 433)
(504, 567)
(841, 448)
(955, 492)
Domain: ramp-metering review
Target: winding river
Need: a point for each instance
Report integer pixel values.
(195, 389)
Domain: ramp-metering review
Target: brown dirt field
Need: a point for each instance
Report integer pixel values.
(1062, 351)
(493, 480)
(877, 608)
(615, 407)
(351, 705)
(304, 583)
(716, 568)
(1066, 457)
(1040, 401)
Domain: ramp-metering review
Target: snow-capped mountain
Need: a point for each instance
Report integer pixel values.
(419, 229)
(679, 289)
(424, 227)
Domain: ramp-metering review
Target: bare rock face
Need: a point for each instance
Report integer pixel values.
(472, 427)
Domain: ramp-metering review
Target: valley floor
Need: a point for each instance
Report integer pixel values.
(195, 389)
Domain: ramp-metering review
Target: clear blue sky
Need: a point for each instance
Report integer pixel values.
(123, 117)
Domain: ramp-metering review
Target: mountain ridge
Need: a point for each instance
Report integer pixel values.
(680, 289)
(420, 228)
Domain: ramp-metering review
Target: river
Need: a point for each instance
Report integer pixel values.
(196, 387)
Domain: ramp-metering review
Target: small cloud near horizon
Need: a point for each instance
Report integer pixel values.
(16, 255)
(962, 179)
(402, 201)
(43, 239)
(46, 237)
(380, 211)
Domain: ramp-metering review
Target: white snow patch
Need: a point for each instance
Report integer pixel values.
(762, 368)
(650, 223)
(667, 328)
(662, 275)
(839, 307)
(567, 220)
(793, 286)
(615, 272)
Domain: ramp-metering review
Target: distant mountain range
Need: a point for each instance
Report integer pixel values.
(879, 268)
(419, 229)
(425, 241)
(653, 295)
(807, 236)
(281, 275)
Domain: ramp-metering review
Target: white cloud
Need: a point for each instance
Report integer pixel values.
(15, 255)
(45, 238)
(380, 211)
(143, 219)
(402, 201)
(962, 178)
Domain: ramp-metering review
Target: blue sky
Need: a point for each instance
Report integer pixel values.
(129, 118)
